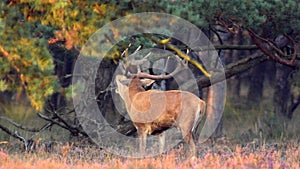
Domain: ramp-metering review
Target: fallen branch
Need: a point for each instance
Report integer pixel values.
(13, 134)
(180, 54)
(19, 125)
(72, 129)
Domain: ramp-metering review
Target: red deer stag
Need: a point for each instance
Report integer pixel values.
(154, 110)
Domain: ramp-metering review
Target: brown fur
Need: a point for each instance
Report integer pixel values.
(154, 110)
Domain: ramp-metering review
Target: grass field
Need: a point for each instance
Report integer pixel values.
(221, 155)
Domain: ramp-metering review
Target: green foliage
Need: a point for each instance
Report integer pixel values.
(279, 16)
(3, 85)
(27, 59)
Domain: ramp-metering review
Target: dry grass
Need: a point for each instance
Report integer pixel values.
(222, 155)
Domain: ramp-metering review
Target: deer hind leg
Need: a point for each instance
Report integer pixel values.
(189, 140)
(185, 126)
(143, 138)
(162, 140)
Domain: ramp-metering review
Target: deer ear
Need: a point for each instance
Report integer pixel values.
(147, 82)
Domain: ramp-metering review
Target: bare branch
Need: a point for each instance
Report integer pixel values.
(56, 115)
(221, 47)
(231, 26)
(52, 120)
(109, 88)
(295, 48)
(231, 47)
(217, 34)
(257, 40)
(295, 103)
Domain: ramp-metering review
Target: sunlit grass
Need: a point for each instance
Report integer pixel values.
(67, 156)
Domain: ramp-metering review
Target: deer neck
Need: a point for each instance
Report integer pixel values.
(135, 87)
(128, 93)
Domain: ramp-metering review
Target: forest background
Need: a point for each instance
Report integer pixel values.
(257, 41)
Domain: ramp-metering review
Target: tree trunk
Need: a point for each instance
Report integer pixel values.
(282, 90)
(235, 82)
(257, 77)
(214, 108)
(216, 97)
(103, 80)
(214, 101)
(270, 72)
(64, 63)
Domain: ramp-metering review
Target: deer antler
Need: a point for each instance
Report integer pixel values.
(138, 63)
(180, 67)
